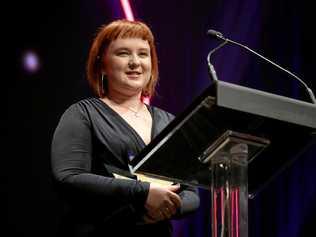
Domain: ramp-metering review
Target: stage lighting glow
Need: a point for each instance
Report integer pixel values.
(127, 10)
(31, 62)
(146, 100)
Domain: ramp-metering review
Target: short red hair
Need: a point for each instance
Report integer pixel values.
(119, 29)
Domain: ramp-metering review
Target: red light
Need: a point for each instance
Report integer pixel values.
(127, 10)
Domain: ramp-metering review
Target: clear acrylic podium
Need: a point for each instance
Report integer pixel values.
(233, 141)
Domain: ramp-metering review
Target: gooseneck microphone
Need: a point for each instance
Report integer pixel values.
(211, 68)
(218, 35)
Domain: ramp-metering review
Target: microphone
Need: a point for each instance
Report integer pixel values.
(219, 35)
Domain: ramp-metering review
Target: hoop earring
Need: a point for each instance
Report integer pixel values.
(102, 84)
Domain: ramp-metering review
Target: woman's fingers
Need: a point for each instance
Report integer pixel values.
(162, 202)
(175, 198)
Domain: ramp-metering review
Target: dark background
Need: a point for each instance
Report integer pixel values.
(61, 32)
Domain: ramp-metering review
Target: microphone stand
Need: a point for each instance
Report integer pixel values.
(220, 36)
(211, 68)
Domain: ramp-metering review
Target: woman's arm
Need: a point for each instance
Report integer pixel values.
(71, 159)
(190, 201)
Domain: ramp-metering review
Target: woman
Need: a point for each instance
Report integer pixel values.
(98, 134)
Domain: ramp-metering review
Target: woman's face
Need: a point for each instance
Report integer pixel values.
(127, 65)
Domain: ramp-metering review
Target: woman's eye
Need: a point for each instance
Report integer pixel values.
(143, 54)
(122, 53)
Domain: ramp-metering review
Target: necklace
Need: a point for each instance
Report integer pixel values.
(135, 112)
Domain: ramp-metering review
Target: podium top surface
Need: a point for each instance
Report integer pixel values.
(266, 104)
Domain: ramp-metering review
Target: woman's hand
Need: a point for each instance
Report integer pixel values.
(162, 202)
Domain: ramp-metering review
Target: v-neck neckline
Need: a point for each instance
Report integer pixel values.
(126, 124)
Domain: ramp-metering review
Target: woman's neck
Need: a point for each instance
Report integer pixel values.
(130, 101)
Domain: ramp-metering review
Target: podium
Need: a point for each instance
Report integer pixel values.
(233, 141)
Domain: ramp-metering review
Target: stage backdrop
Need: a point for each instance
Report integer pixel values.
(60, 33)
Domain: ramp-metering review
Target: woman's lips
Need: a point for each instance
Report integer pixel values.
(133, 75)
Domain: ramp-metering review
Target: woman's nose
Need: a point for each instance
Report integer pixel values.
(134, 61)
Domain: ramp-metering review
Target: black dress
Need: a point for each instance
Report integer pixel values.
(89, 138)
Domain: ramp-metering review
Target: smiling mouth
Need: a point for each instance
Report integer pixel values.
(134, 73)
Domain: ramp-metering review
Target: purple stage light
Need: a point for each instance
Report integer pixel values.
(31, 62)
